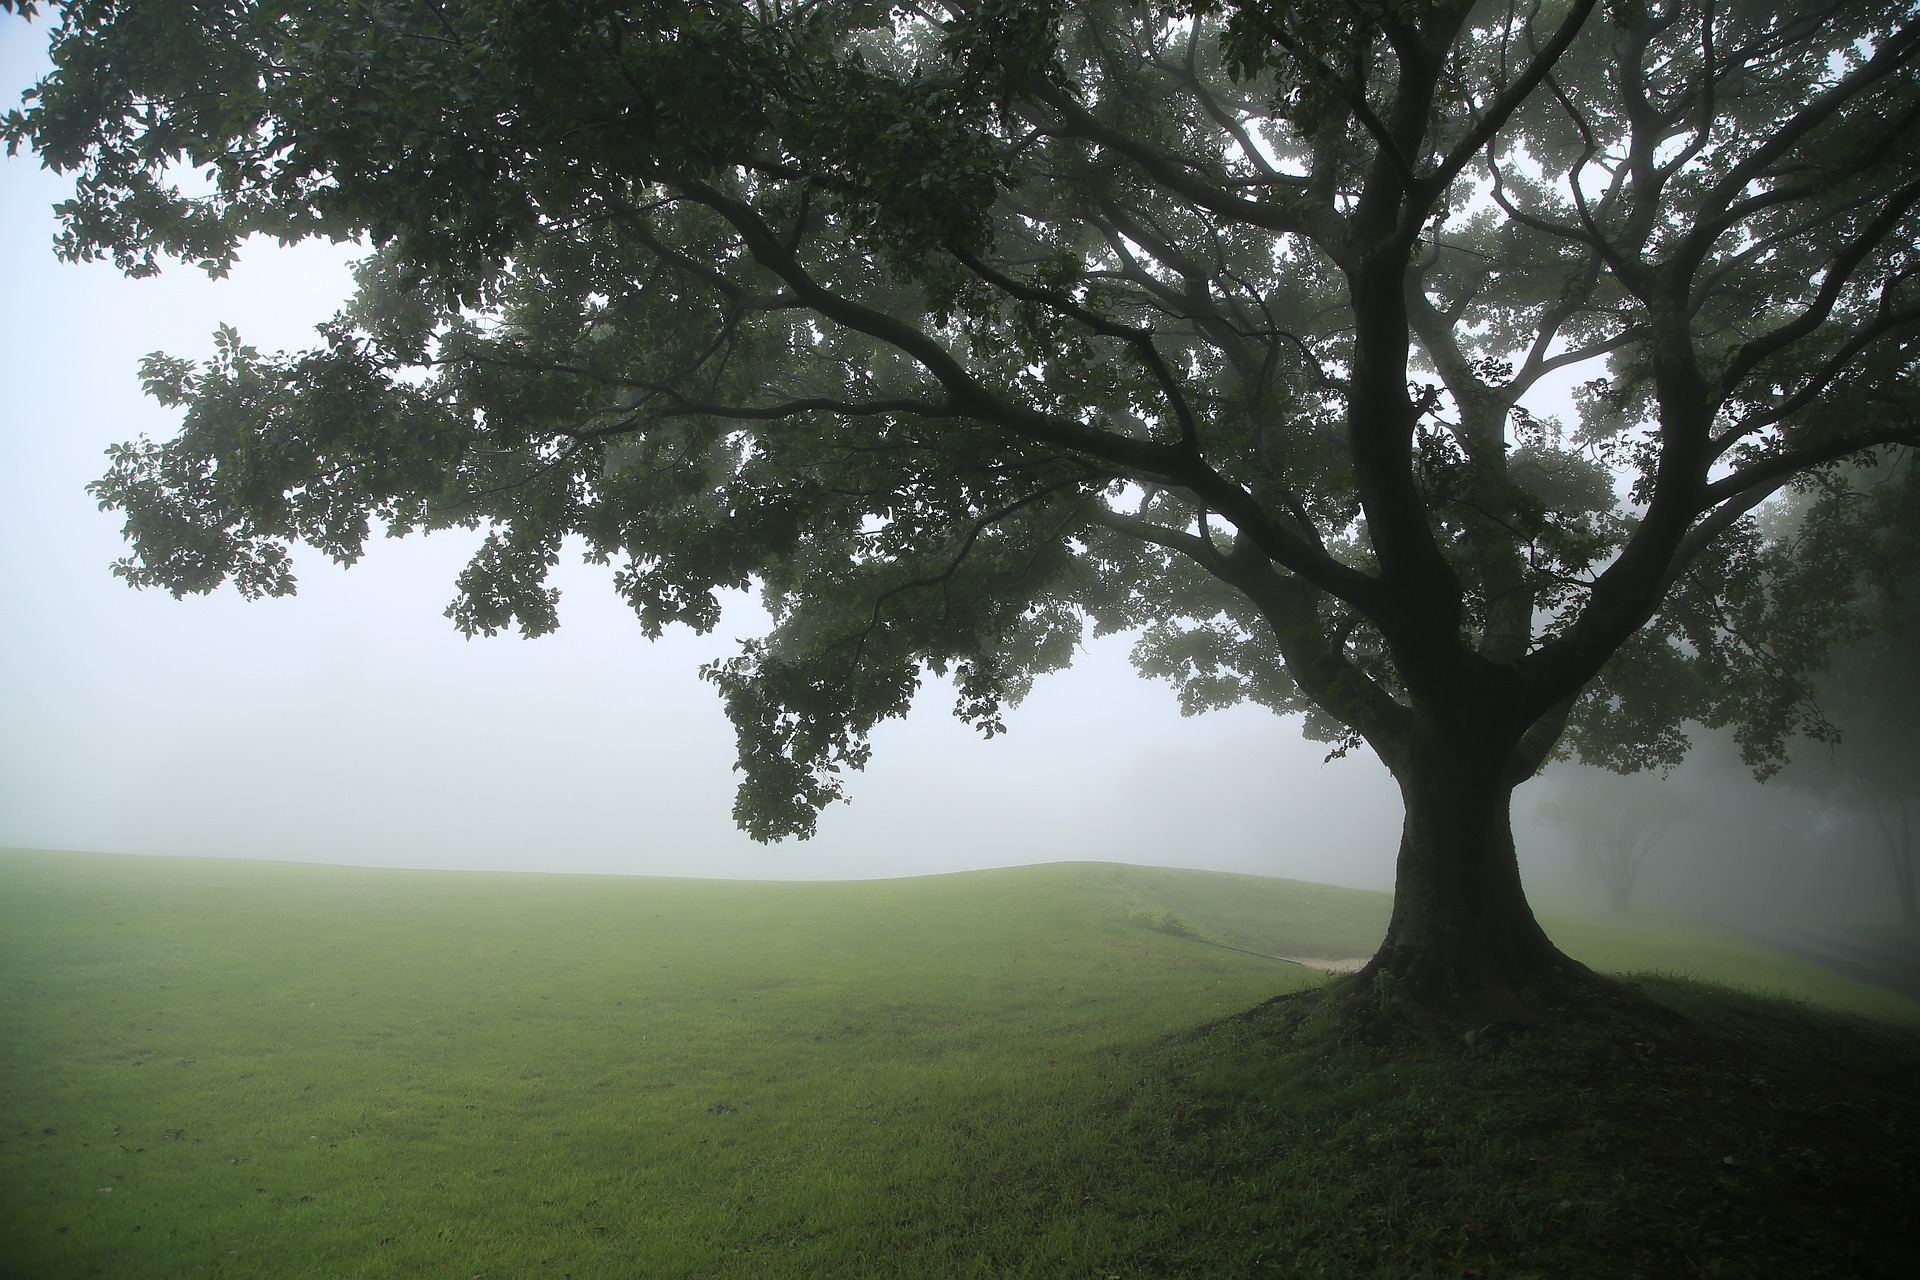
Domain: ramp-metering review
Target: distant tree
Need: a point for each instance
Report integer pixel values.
(1865, 532)
(956, 327)
(1614, 822)
(1872, 693)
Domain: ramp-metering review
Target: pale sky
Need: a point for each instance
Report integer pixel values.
(352, 723)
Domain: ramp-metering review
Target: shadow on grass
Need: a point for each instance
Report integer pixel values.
(1724, 1135)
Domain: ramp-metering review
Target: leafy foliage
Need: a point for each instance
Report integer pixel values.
(953, 328)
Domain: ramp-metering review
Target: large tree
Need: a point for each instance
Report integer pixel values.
(953, 327)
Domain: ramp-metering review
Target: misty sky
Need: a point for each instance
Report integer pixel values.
(352, 723)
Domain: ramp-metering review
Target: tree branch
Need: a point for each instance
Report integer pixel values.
(1891, 55)
(1317, 665)
(1141, 340)
(1175, 174)
(967, 397)
(1510, 98)
(1839, 271)
(1821, 378)
(1780, 467)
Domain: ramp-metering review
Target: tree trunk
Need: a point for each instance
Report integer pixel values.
(1462, 943)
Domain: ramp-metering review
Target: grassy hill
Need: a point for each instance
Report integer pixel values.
(266, 1069)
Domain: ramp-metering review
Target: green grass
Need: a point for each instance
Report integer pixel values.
(1675, 946)
(286, 1070)
(1738, 1136)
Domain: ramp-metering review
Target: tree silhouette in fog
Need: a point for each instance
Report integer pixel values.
(957, 329)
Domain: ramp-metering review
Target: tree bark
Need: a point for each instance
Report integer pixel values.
(1462, 942)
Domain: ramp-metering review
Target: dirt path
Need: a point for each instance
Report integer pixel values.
(1346, 964)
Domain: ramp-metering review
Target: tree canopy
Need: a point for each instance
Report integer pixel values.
(955, 328)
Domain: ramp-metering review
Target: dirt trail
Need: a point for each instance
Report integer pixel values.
(1340, 964)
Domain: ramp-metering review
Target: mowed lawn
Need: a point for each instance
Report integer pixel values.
(265, 1069)
(287, 1070)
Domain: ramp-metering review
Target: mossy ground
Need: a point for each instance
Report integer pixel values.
(319, 1071)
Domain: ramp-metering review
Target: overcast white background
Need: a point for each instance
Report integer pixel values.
(351, 723)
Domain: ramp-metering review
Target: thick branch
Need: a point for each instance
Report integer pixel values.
(1176, 174)
(1778, 468)
(1715, 523)
(1839, 271)
(1317, 660)
(1318, 665)
(968, 397)
(1892, 54)
(1509, 99)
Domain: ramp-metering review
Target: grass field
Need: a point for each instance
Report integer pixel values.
(278, 1070)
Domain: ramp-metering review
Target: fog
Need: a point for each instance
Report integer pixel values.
(1737, 851)
(352, 724)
